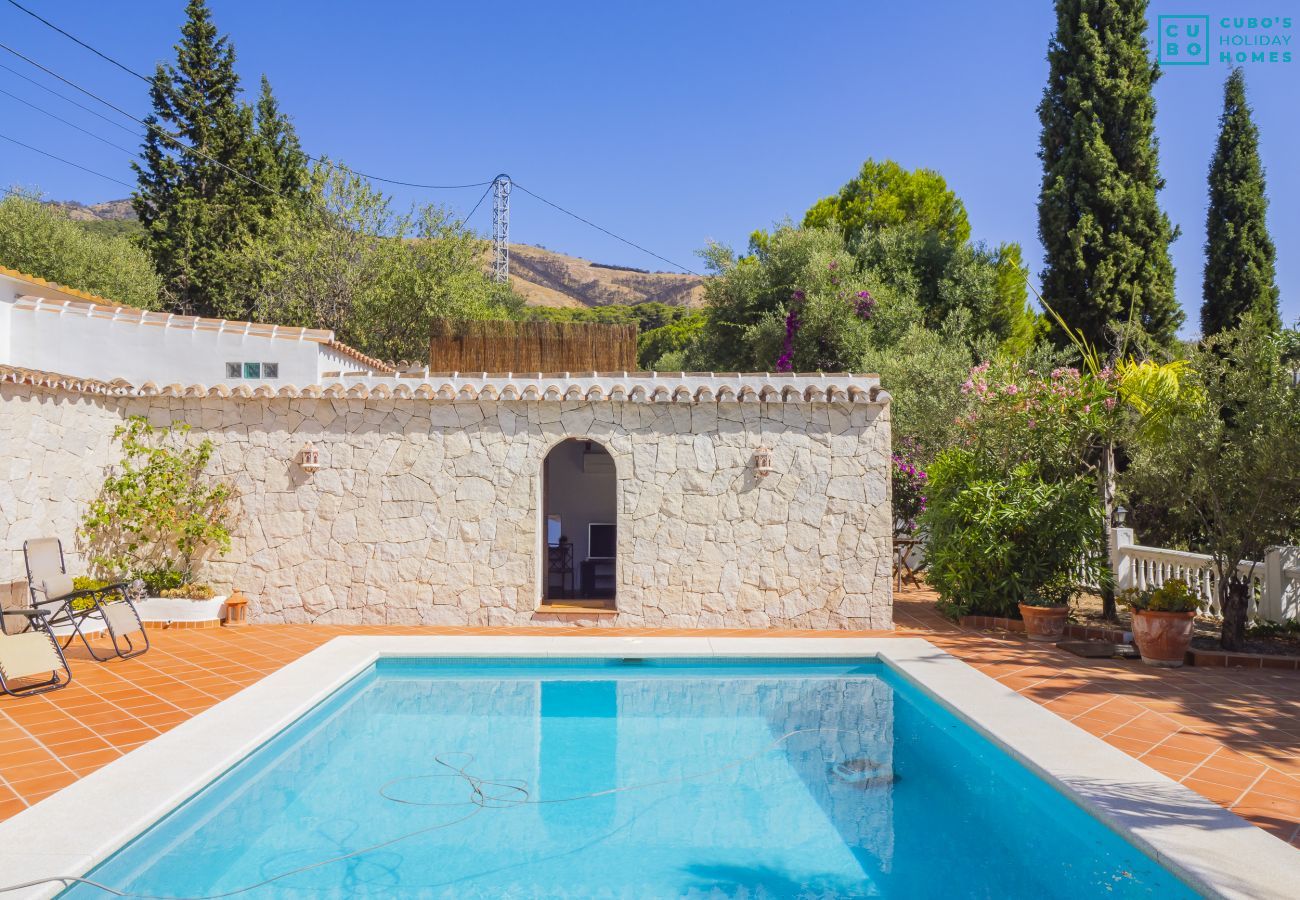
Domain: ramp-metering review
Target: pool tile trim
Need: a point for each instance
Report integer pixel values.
(1216, 851)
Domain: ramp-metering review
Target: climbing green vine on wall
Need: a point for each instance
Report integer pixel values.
(157, 509)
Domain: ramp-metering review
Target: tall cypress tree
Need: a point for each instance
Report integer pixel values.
(198, 204)
(1239, 254)
(1105, 237)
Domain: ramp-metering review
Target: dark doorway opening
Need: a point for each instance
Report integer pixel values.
(580, 526)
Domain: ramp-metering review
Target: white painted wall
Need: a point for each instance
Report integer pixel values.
(330, 360)
(102, 349)
(72, 343)
(6, 315)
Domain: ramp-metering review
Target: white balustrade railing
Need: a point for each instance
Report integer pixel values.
(1274, 581)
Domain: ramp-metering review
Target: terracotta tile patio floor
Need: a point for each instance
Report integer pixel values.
(1232, 735)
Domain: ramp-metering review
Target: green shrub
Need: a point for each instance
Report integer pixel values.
(194, 591)
(1173, 596)
(86, 583)
(161, 579)
(1057, 592)
(158, 511)
(997, 537)
(42, 240)
(1266, 629)
(668, 341)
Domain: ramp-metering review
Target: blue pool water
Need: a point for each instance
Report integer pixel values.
(577, 778)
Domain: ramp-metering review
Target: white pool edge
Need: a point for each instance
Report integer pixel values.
(72, 831)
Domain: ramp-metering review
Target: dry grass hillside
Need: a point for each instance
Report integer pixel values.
(108, 211)
(546, 278)
(542, 277)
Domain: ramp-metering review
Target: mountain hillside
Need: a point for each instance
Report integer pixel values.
(547, 278)
(542, 277)
(108, 211)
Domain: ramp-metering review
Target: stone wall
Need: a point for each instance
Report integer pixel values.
(54, 449)
(427, 512)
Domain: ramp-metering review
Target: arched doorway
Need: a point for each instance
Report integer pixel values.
(579, 525)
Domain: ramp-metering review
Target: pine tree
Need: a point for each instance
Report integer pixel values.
(1239, 254)
(277, 160)
(198, 205)
(1106, 240)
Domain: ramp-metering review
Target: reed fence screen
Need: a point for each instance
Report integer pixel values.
(506, 346)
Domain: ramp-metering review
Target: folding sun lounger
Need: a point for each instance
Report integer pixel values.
(29, 653)
(106, 609)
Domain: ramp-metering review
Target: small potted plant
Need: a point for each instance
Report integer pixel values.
(1163, 621)
(170, 595)
(1045, 609)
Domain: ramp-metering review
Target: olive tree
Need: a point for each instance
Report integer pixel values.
(1230, 462)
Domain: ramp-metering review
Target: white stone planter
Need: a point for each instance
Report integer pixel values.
(180, 609)
(163, 610)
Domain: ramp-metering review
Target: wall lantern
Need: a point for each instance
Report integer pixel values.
(1121, 516)
(309, 458)
(762, 462)
(236, 610)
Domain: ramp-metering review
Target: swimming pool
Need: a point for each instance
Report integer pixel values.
(839, 812)
(631, 778)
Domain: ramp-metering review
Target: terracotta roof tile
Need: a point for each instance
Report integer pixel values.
(633, 387)
(369, 361)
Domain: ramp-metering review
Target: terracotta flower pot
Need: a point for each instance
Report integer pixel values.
(1044, 623)
(1163, 637)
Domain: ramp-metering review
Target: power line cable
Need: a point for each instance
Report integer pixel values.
(604, 230)
(163, 132)
(78, 40)
(66, 162)
(147, 80)
(371, 177)
(154, 128)
(85, 131)
(66, 99)
(477, 205)
(412, 184)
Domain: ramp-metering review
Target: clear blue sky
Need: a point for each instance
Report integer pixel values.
(668, 122)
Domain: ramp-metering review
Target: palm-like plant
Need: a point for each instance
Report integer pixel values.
(1149, 396)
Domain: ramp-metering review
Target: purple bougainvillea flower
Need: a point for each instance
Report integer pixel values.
(864, 305)
(785, 362)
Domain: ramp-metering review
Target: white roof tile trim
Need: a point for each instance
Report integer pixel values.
(76, 307)
(638, 387)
